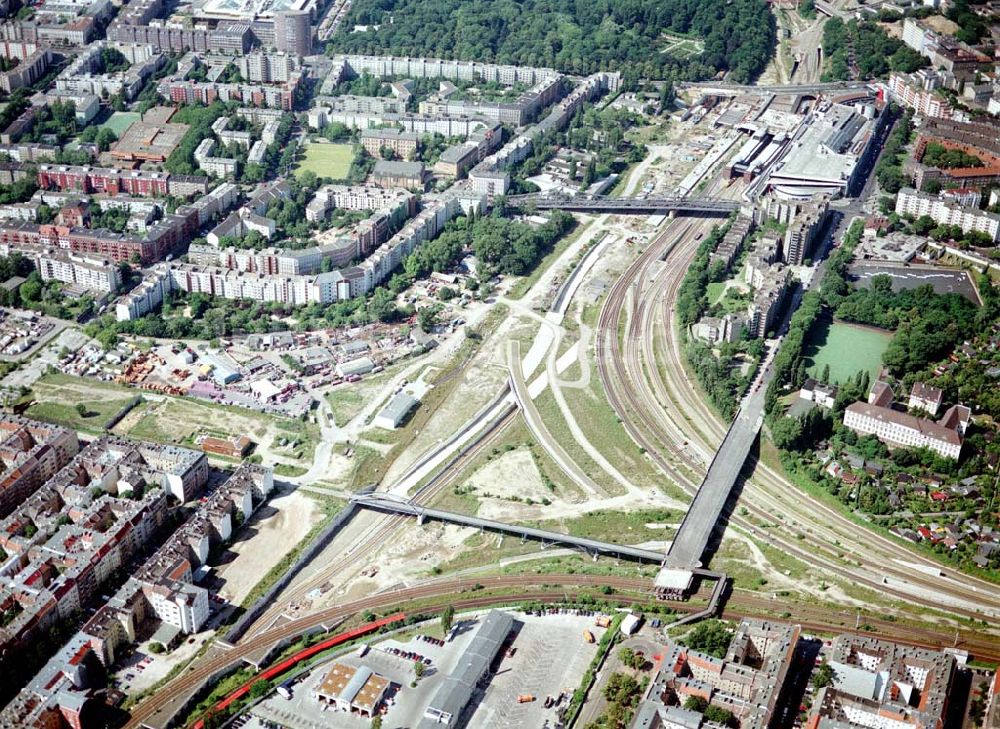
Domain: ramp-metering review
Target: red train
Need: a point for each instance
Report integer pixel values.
(294, 660)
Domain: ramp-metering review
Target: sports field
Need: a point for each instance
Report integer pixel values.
(120, 121)
(847, 348)
(326, 160)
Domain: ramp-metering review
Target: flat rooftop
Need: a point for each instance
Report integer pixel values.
(151, 139)
(248, 9)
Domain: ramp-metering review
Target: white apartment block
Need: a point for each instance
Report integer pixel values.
(218, 166)
(90, 273)
(356, 197)
(912, 91)
(917, 204)
(921, 39)
(183, 605)
(267, 67)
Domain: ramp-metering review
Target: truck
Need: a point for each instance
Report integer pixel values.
(602, 621)
(525, 698)
(285, 690)
(588, 636)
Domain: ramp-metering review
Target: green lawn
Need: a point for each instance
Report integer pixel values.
(715, 290)
(847, 348)
(120, 121)
(326, 160)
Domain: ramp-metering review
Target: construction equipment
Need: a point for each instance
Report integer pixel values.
(588, 636)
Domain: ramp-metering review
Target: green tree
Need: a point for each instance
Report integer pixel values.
(719, 715)
(447, 617)
(711, 637)
(786, 432)
(695, 703)
(824, 675)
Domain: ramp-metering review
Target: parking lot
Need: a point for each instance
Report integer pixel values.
(550, 659)
(550, 655)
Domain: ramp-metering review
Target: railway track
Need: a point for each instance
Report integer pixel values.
(629, 591)
(383, 528)
(659, 417)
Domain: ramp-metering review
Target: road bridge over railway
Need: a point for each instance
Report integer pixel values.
(684, 556)
(725, 89)
(625, 205)
(391, 504)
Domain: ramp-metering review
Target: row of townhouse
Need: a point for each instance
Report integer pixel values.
(160, 239)
(917, 204)
(298, 290)
(162, 589)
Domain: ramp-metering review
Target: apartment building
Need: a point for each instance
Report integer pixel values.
(31, 453)
(460, 158)
(96, 180)
(206, 92)
(897, 428)
(162, 589)
(390, 66)
(883, 685)
(401, 203)
(94, 274)
(268, 68)
(402, 144)
(228, 136)
(490, 177)
(917, 91)
(217, 166)
(917, 204)
(268, 282)
(230, 39)
(943, 52)
(407, 175)
(85, 105)
(746, 682)
(769, 299)
(85, 76)
(516, 113)
(732, 243)
(293, 32)
(925, 397)
(30, 68)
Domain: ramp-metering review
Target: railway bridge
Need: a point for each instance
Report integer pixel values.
(660, 205)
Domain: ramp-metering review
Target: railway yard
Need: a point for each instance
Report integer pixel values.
(498, 415)
(846, 578)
